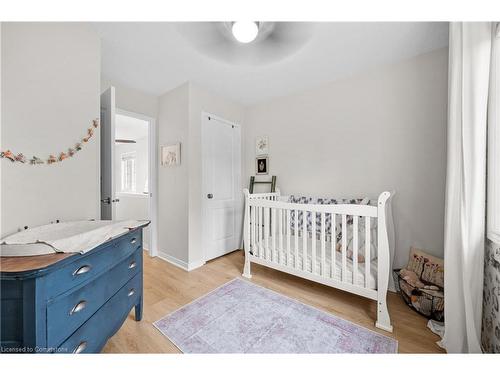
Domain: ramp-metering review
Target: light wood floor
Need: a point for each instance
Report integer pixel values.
(167, 288)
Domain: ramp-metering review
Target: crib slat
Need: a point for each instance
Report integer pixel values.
(256, 231)
(270, 237)
(333, 240)
(323, 239)
(304, 240)
(252, 230)
(367, 251)
(274, 255)
(296, 236)
(344, 248)
(288, 229)
(355, 250)
(280, 235)
(253, 227)
(257, 238)
(266, 233)
(261, 237)
(313, 242)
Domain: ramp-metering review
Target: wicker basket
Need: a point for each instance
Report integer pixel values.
(429, 303)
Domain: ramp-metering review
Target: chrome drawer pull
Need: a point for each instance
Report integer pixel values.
(83, 269)
(78, 307)
(132, 265)
(131, 292)
(80, 348)
(133, 240)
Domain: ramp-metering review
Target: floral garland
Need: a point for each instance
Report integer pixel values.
(35, 160)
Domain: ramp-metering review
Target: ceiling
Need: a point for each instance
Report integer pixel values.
(130, 128)
(157, 57)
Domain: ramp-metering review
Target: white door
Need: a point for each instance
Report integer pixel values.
(222, 195)
(108, 191)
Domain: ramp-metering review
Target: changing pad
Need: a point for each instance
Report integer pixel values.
(68, 237)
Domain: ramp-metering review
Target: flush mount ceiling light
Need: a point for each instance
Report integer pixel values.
(245, 31)
(270, 41)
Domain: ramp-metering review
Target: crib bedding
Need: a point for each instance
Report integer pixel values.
(281, 254)
(310, 218)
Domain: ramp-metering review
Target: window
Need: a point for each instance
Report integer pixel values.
(128, 172)
(493, 198)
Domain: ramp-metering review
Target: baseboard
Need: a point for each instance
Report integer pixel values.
(195, 265)
(180, 263)
(173, 260)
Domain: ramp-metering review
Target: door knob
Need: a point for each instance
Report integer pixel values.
(107, 200)
(210, 196)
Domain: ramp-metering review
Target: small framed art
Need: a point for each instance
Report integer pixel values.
(262, 165)
(171, 155)
(262, 146)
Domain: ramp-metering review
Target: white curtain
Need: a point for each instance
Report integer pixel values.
(468, 82)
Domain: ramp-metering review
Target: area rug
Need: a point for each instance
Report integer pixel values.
(241, 317)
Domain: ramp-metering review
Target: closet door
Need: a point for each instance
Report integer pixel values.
(222, 194)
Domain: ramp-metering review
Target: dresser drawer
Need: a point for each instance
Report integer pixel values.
(70, 310)
(93, 334)
(89, 265)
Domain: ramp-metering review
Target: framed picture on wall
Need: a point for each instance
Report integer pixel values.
(171, 155)
(262, 165)
(261, 145)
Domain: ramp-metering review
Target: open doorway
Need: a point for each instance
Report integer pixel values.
(131, 170)
(128, 168)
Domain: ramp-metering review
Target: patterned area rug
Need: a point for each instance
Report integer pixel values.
(241, 317)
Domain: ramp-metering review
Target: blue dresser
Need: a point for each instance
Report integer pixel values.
(74, 303)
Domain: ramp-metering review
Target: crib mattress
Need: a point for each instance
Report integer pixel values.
(280, 255)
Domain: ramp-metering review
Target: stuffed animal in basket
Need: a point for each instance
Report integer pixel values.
(412, 278)
(421, 283)
(429, 268)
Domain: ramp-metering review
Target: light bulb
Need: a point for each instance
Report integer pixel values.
(245, 31)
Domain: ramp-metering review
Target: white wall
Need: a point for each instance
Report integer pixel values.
(50, 95)
(382, 130)
(173, 123)
(1, 231)
(132, 100)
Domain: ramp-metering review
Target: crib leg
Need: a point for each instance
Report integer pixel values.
(384, 265)
(383, 319)
(246, 269)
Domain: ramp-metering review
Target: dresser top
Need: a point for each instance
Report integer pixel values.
(31, 263)
(12, 266)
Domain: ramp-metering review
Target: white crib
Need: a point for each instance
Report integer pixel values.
(317, 251)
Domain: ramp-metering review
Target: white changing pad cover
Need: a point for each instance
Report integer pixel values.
(68, 237)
